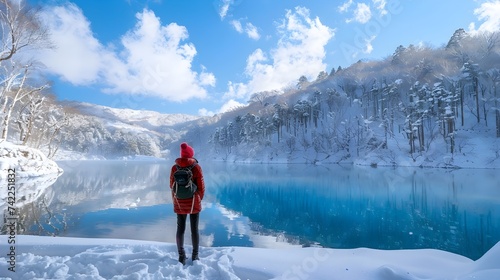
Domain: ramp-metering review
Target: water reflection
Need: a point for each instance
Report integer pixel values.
(97, 185)
(284, 205)
(19, 202)
(457, 211)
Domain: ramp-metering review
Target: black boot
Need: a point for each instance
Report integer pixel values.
(196, 247)
(195, 257)
(182, 257)
(180, 249)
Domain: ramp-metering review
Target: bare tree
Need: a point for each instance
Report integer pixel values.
(16, 89)
(20, 29)
(28, 115)
(49, 120)
(494, 76)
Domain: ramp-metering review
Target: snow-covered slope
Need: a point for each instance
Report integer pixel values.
(139, 118)
(419, 107)
(95, 131)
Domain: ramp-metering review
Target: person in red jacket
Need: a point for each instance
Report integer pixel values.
(191, 206)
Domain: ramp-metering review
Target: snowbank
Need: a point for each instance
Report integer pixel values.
(76, 258)
(30, 171)
(26, 161)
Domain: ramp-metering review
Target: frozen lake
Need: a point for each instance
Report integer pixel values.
(260, 205)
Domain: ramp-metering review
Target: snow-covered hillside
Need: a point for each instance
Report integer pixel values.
(94, 131)
(140, 118)
(419, 107)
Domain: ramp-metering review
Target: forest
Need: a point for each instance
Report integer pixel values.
(414, 101)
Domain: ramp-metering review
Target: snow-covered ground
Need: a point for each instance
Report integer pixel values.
(26, 161)
(76, 258)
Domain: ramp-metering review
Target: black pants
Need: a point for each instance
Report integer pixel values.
(181, 228)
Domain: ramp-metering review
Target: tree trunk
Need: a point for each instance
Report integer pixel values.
(462, 105)
(451, 134)
(421, 136)
(484, 103)
(476, 90)
(5, 123)
(410, 138)
(497, 113)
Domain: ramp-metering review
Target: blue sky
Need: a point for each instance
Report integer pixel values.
(202, 57)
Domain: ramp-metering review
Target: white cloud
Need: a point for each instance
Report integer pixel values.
(153, 60)
(237, 91)
(250, 30)
(299, 51)
(226, 107)
(362, 13)
(224, 8)
(206, 78)
(380, 5)
(230, 105)
(236, 24)
(472, 27)
(74, 40)
(489, 13)
(368, 44)
(205, 113)
(344, 7)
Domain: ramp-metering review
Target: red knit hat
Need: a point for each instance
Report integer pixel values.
(186, 151)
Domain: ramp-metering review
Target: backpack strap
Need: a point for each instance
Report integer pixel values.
(188, 167)
(192, 205)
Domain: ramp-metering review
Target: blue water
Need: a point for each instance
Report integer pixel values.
(280, 205)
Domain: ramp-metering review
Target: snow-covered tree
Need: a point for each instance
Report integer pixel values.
(493, 77)
(262, 96)
(445, 101)
(471, 74)
(21, 30)
(322, 75)
(456, 38)
(302, 82)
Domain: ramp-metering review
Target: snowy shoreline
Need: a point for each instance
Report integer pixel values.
(26, 161)
(80, 258)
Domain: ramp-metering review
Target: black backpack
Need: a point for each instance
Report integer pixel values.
(184, 187)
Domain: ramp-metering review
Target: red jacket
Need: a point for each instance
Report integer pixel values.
(184, 206)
